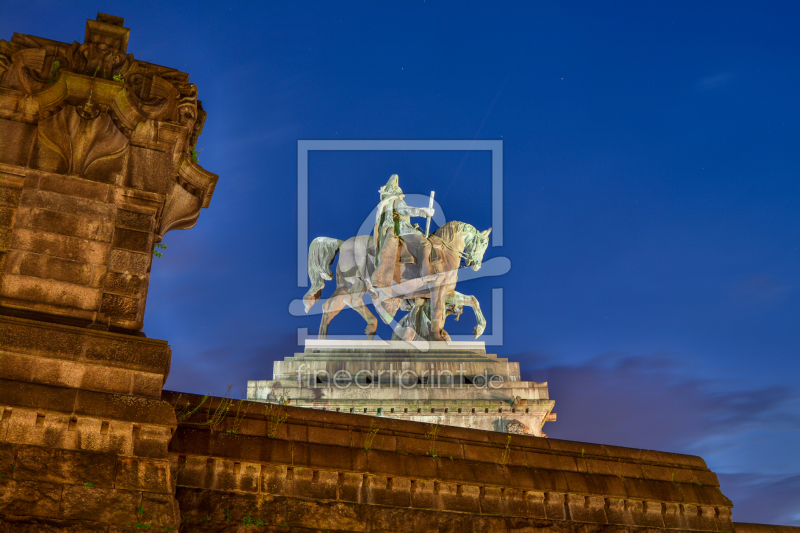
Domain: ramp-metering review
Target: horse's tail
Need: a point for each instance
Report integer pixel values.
(321, 254)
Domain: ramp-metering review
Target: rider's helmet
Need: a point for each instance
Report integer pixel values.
(392, 188)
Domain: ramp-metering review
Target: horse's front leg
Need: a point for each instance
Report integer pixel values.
(479, 329)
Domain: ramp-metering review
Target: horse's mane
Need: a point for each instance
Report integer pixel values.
(449, 231)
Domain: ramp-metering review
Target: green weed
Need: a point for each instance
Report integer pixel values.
(194, 154)
(373, 432)
(54, 73)
(431, 436)
(506, 452)
(275, 415)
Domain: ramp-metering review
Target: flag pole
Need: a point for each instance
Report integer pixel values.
(428, 223)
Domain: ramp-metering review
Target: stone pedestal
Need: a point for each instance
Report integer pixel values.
(449, 383)
(84, 432)
(96, 165)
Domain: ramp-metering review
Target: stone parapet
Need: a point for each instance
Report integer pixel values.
(306, 468)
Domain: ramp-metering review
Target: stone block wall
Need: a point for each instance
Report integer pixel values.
(243, 462)
(84, 434)
(78, 248)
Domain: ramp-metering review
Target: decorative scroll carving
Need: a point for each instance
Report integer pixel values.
(180, 212)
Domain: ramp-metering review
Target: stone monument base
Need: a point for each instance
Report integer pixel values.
(447, 383)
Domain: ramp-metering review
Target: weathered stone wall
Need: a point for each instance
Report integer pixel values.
(83, 434)
(343, 472)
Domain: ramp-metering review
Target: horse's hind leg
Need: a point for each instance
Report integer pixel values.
(330, 309)
(356, 301)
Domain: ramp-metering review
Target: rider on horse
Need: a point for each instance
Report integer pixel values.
(393, 229)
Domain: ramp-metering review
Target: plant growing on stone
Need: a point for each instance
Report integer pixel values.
(56, 65)
(213, 418)
(139, 514)
(183, 413)
(373, 432)
(237, 419)
(249, 521)
(194, 154)
(506, 453)
(119, 78)
(275, 416)
(156, 252)
(431, 436)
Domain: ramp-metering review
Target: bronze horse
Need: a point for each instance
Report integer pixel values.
(452, 242)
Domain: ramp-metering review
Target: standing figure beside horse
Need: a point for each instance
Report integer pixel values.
(396, 263)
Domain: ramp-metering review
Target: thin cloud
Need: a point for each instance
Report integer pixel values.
(652, 402)
(763, 499)
(715, 81)
(762, 289)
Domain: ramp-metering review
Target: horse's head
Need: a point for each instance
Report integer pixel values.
(475, 246)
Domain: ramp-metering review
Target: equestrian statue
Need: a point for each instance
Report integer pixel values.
(400, 268)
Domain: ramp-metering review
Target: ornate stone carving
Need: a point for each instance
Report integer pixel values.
(87, 118)
(517, 427)
(91, 147)
(104, 141)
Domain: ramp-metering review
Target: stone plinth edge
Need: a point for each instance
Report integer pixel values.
(377, 346)
(68, 356)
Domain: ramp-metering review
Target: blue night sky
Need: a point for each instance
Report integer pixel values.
(650, 210)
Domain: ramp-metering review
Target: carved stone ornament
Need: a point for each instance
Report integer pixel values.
(517, 427)
(94, 105)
